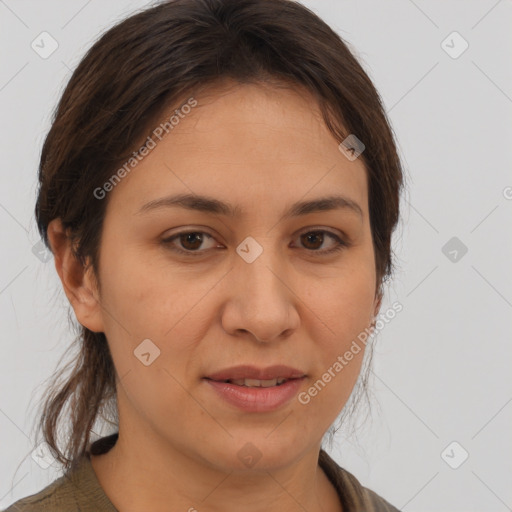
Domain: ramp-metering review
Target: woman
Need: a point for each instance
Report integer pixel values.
(219, 189)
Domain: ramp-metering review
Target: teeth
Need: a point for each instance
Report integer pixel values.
(256, 383)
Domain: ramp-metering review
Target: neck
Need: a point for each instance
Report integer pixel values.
(139, 476)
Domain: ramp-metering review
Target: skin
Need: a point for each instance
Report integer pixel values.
(260, 148)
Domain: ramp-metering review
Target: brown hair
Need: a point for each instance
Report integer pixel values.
(121, 87)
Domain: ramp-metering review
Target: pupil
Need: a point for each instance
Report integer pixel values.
(190, 237)
(313, 235)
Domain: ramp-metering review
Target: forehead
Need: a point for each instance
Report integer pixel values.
(246, 144)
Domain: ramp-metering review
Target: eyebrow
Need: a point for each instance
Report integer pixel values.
(211, 205)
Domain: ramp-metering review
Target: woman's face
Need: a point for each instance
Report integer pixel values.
(260, 285)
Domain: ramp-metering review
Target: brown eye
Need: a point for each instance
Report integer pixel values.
(313, 241)
(189, 242)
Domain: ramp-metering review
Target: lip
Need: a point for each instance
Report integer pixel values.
(257, 399)
(252, 372)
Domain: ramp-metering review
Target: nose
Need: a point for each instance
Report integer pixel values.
(262, 302)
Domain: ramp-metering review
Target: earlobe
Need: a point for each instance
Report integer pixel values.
(78, 282)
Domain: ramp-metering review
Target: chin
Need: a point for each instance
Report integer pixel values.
(252, 452)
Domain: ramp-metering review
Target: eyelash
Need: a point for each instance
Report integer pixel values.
(340, 243)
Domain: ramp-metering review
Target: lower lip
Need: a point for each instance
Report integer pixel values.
(257, 399)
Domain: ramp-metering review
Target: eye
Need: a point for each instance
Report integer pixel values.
(190, 242)
(314, 239)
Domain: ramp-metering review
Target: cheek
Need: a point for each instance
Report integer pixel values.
(145, 301)
(340, 326)
(341, 329)
(343, 305)
(139, 292)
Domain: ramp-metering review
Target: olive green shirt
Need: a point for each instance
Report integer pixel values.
(79, 490)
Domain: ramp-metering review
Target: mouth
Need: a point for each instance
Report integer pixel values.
(256, 390)
(251, 376)
(254, 383)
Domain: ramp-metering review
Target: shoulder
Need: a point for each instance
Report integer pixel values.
(352, 494)
(59, 496)
(77, 490)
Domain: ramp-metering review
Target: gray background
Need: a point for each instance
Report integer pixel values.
(441, 366)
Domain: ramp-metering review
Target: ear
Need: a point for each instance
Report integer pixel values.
(78, 282)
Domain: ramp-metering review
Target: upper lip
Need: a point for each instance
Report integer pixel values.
(251, 372)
